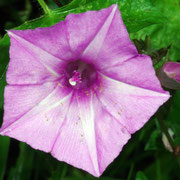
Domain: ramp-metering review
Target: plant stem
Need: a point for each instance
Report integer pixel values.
(44, 6)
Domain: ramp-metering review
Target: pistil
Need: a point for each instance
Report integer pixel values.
(76, 78)
(77, 74)
(80, 75)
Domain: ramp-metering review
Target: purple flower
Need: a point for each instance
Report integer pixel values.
(79, 89)
(169, 75)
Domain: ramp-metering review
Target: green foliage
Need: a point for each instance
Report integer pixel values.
(173, 118)
(163, 168)
(141, 176)
(166, 33)
(136, 14)
(154, 141)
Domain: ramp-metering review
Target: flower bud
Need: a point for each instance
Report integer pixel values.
(169, 75)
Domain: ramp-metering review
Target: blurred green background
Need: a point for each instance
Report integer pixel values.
(154, 27)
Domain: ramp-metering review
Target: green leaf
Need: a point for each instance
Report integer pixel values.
(136, 14)
(141, 176)
(4, 149)
(166, 33)
(152, 143)
(155, 140)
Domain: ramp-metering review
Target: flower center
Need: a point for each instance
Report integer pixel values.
(75, 78)
(80, 75)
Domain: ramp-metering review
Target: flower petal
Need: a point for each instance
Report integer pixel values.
(52, 40)
(86, 139)
(29, 64)
(39, 125)
(111, 135)
(131, 105)
(82, 28)
(111, 44)
(137, 71)
(20, 99)
(71, 145)
(86, 111)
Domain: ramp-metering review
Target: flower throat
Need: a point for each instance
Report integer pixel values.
(80, 75)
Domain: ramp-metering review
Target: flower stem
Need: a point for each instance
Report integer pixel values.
(44, 6)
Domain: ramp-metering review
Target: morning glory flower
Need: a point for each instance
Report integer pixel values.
(169, 75)
(79, 89)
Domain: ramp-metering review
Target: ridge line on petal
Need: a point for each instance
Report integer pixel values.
(96, 161)
(130, 85)
(17, 119)
(104, 107)
(58, 134)
(106, 23)
(91, 104)
(49, 69)
(67, 35)
(120, 63)
(15, 35)
(36, 84)
(17, 38)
